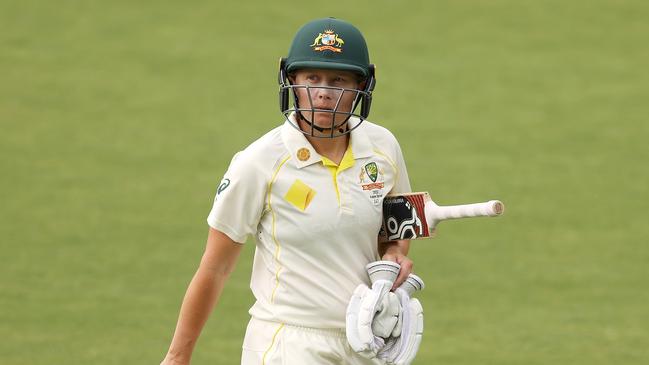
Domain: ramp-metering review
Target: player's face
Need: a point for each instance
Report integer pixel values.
(326, 99)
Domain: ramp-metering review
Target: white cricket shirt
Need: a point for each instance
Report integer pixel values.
(315, 223)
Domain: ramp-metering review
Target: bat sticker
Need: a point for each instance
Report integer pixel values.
(402, 218)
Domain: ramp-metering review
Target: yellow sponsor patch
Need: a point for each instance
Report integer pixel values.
(300, 195)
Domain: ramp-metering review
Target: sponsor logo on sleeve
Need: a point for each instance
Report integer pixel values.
(224, 185)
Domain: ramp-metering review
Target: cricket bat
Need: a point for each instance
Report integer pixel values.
(414, 215)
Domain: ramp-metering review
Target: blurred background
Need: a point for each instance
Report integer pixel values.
(119, 118)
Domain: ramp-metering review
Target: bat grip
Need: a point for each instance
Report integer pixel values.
(436, 213)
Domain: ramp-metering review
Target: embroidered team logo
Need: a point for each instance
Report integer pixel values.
(372, 171)
(328, 41)
(374, 187)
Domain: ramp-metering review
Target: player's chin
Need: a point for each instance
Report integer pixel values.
(327, 120)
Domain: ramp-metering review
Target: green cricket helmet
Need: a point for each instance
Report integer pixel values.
(331, 44)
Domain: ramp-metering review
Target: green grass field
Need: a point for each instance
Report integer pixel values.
(118, 119)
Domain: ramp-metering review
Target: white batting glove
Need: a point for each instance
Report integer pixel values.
(366, 304)
(366, 345)
(387, 321)
(401, 350)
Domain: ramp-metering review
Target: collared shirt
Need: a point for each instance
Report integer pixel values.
(315, 222)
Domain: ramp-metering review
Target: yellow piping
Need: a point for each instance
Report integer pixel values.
(277, 245)
(263, 359)
(394, 166)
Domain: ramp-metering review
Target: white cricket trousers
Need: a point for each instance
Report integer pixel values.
(272, 343)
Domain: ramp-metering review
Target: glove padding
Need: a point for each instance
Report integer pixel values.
(387, 321)
(364, 334)
(401, 350)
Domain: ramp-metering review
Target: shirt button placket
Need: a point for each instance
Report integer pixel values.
(345, 197)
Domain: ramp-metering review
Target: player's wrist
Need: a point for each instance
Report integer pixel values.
(178, 356)
(175, 360)
(392, 251)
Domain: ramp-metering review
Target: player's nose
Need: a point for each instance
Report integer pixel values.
(325, 93)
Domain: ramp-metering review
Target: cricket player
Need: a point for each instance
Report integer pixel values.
(310, 193)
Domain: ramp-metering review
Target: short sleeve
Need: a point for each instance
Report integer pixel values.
(239, 200)
(402, 184)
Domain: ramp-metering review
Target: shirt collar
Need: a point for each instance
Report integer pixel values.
(303, 152)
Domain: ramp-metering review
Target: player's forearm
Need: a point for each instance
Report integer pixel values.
(201, 296)
(397, 251)
(400, 246)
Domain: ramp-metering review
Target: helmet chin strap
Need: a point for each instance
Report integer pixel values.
(342, 127)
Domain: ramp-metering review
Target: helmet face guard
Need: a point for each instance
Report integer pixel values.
(307, 112)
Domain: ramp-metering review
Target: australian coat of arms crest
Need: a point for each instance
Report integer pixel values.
(328, 41)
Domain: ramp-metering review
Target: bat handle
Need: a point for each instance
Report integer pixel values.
(436, 213)
(430, 208)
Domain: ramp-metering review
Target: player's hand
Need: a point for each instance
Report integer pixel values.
(394, 253)
(369, 315)
(402, 350)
